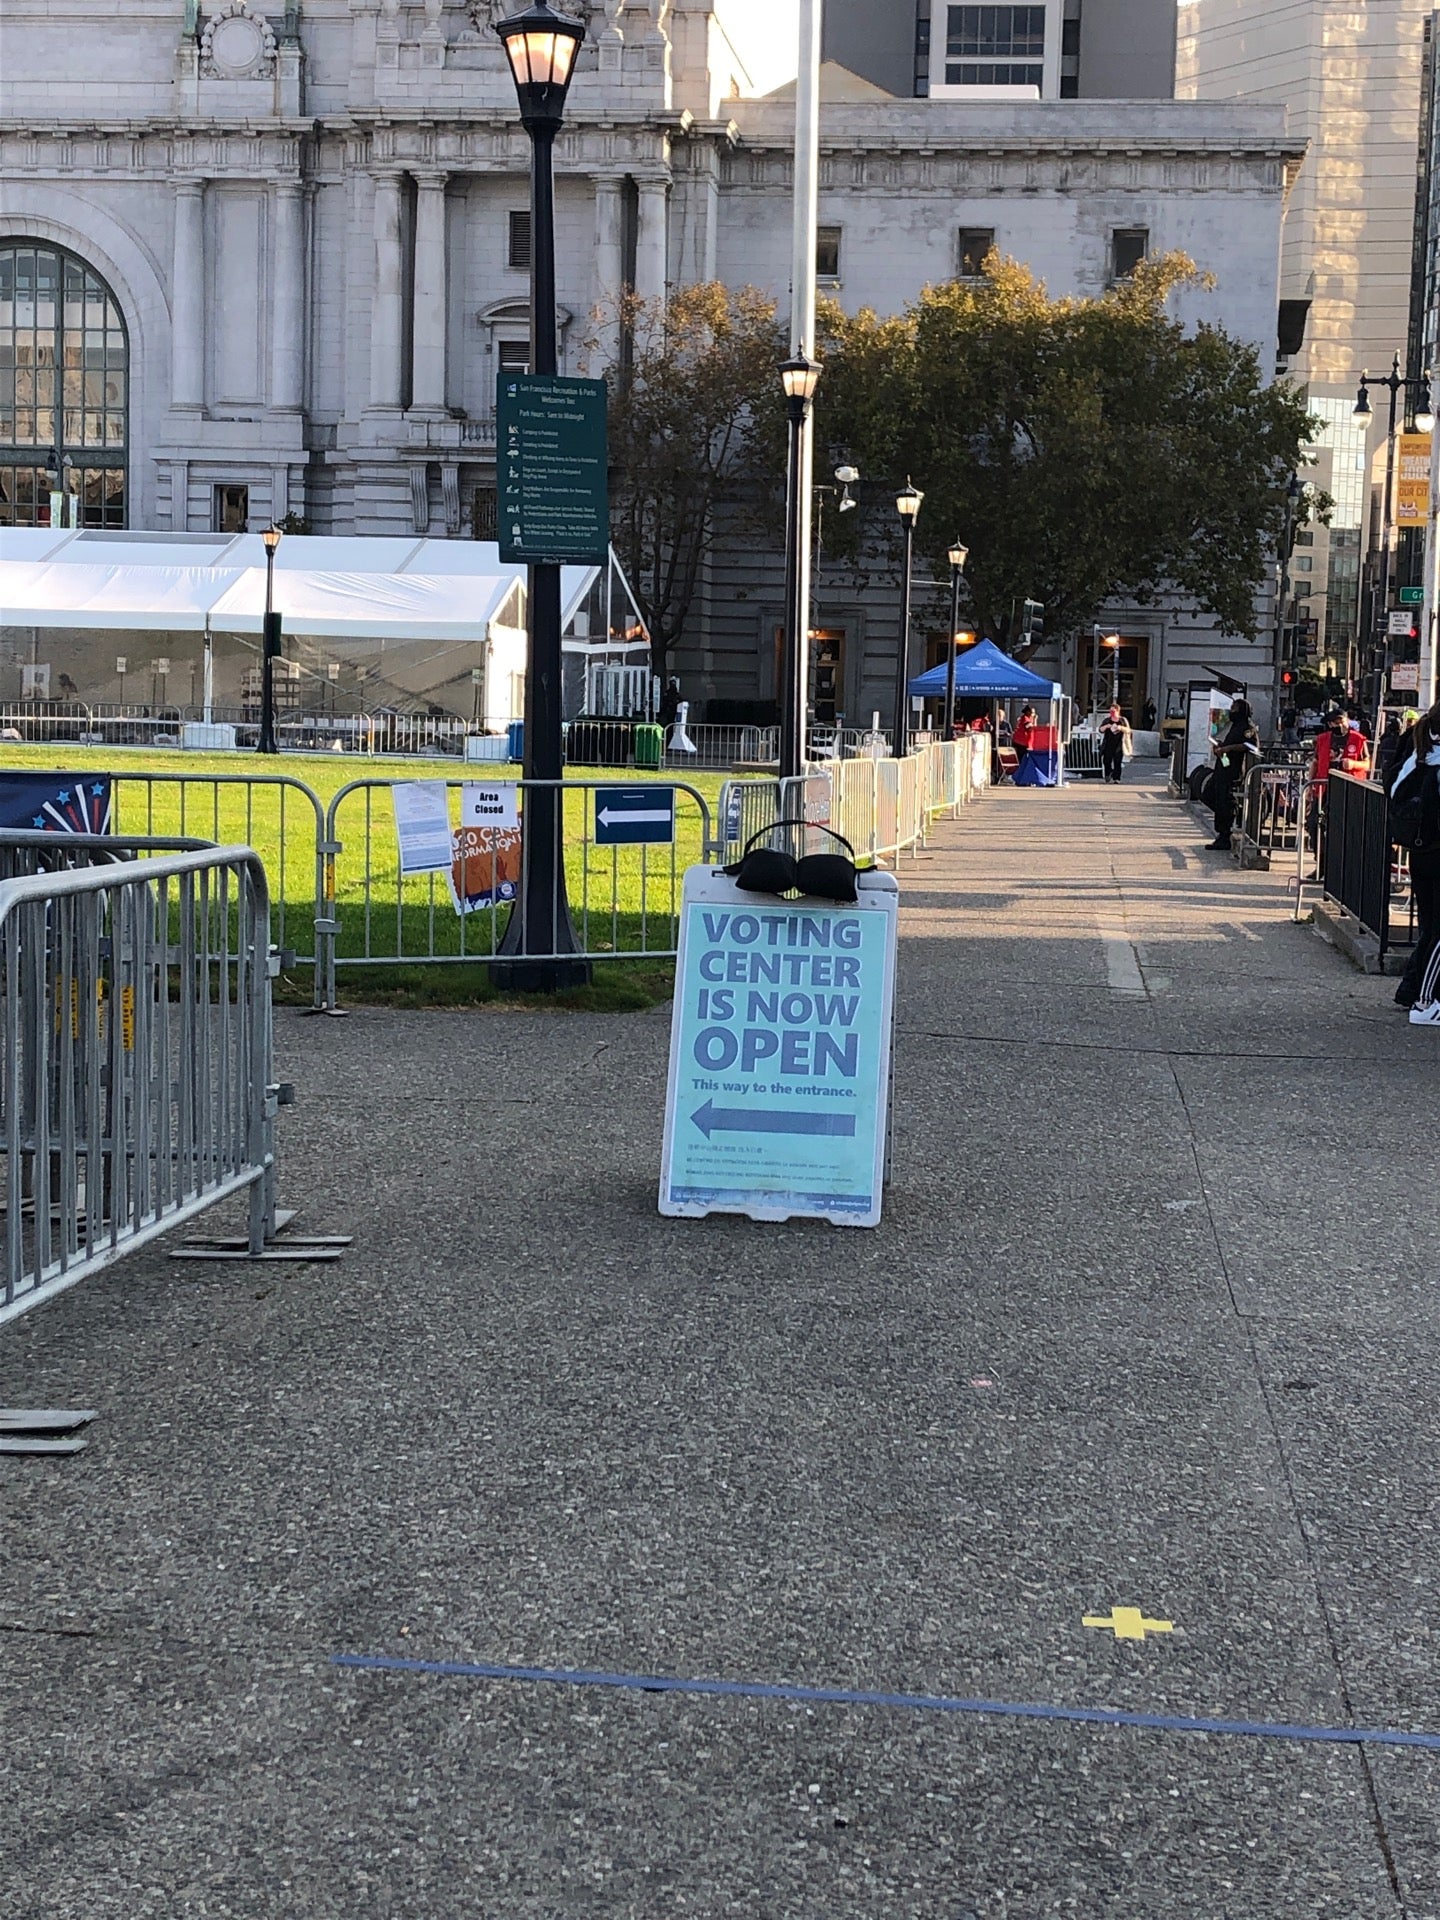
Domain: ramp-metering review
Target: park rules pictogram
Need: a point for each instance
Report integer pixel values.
(780, 1053)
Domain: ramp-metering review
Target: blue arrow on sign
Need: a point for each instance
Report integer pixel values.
(631, 816)
(712, 1119)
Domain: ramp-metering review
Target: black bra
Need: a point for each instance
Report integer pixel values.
(820, 876)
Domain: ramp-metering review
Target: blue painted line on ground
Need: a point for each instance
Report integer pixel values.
(915, 1702)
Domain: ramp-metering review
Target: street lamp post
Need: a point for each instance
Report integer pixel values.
(799, 376)
(269, 645)
(1284, 651)
(541, 45)
(1396, 383)
(959, 554)
(1114, 643)
(907, 505)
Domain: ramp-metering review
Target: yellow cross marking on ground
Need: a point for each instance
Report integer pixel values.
(1128, 1623)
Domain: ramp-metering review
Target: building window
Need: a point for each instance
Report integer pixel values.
(994, 46)
(518, 255)
(231, 511)
(1303, 563)
(922, 48)
(485, 514)
(827, 253)
(1128, 247)
(976, 246)
(1304, 536)
(514, 356)
(64, 392)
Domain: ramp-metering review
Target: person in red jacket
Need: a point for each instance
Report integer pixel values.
(1021, 735)
(1340, 747)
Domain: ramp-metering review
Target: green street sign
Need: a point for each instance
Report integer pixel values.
(1412, 596)
(554, 505)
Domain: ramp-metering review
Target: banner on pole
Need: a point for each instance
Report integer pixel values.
(1412, 480)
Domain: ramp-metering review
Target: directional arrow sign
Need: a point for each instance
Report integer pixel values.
(631, 816)
(712, 1119)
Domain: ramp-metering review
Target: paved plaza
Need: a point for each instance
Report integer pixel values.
(1149, 1334)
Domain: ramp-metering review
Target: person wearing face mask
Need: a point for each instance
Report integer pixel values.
(1235, 752)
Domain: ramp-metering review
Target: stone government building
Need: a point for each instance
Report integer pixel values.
(258, 264)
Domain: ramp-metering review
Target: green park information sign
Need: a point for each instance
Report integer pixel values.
(554, 502)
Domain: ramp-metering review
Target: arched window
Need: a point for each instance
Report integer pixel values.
(64, 391)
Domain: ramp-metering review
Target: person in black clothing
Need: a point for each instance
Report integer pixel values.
(1417, 774)
(1114, 732)
(1233, 754)
(1387, 752)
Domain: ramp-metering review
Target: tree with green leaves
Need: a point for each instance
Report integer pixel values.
(1087, 450)
(696, 427)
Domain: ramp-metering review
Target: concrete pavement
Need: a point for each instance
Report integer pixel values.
(1151, 1323)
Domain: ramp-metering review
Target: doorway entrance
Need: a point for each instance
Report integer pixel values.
(827, 675)
(1121, 673)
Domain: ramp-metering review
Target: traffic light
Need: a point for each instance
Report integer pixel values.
(1288, 676)
(1032, 619)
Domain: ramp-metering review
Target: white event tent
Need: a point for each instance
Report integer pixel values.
(409, 622)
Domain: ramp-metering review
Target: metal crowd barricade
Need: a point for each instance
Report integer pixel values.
(1355, 856)
(746, 808)
(884, 806)
(135, 1059)
(1082, 754)
(718, 747)
(276, 810)
(1272, 808)
(624, 899)
(24, 851)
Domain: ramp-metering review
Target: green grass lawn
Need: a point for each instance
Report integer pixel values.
(623, 899)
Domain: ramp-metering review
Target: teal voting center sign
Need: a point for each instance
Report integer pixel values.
(780, 1053)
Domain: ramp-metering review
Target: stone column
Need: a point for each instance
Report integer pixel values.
(427, 381)
(187, 297)
(387, 305)
(287, 297)
(650, 239)
(609, 263)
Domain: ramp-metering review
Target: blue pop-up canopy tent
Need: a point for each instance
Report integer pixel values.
(984, 672)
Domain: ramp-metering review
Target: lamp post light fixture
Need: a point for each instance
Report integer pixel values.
(799, 377)
(907, 505)
(959, 554)
(269, 644)
(1114, 643)
(1098, 641)
(541, 45)
(1395, 383)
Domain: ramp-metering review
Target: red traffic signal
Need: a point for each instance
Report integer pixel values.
(1287, 676)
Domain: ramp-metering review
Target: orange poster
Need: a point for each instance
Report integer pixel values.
(1412, 480)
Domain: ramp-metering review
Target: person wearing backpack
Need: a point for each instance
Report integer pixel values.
(1415, 826)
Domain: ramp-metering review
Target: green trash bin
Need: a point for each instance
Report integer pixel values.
(649, 746)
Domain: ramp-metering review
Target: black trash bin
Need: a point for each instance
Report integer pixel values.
(601, 743)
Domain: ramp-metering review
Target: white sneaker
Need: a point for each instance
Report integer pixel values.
(1426, 1016)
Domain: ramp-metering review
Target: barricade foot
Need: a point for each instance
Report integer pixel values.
(307, 1246)
(43, 1429)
